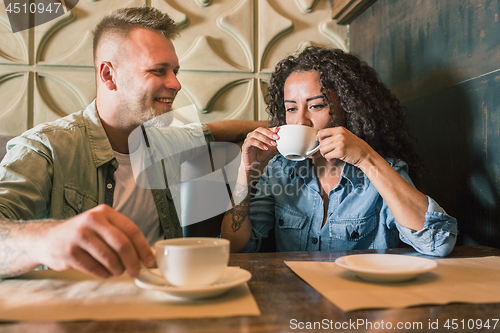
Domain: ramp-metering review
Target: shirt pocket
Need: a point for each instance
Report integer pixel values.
(352, 233)
(289, 229)
(76, 202)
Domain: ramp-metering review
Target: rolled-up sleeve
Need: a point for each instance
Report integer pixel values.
(439, 234)
(437, 237)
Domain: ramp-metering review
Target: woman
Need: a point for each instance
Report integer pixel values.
(355, 193)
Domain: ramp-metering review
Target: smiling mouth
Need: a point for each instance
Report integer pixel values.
(164, 100)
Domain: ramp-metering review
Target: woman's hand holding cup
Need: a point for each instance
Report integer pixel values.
(258, 146)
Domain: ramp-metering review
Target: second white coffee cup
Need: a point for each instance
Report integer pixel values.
(297, 142)
(192, 261)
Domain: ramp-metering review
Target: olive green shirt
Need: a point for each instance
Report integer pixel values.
(60, 169)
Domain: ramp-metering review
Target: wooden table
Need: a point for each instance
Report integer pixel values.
(287, 302)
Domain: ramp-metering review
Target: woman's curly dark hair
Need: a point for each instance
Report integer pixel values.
(371, 111)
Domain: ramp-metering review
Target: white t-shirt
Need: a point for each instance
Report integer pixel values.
(134, 201)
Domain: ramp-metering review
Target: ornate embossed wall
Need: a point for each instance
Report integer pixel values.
(227, 49)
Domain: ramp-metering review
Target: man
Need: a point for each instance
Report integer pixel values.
(58, 180)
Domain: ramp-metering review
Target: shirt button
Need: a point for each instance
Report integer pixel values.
(314, 240)
(109, 186)
(280, 222)
(354, 234)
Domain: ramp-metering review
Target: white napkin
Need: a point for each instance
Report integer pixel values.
(71, 295)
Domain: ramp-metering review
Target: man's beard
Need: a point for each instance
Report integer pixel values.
(152, 119)
(137, 113)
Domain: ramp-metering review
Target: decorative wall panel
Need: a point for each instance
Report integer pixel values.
(14, 97)
(228, 46)
(227, 51)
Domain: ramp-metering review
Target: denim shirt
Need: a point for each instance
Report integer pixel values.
(288, 200)
(63, 168)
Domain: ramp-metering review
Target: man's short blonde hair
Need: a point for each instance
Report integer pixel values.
(122, 21)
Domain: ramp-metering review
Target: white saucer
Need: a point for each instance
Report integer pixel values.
(386, 267)
(231, 277)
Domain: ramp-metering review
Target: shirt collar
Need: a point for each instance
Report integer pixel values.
(99, 143)
(352, 174)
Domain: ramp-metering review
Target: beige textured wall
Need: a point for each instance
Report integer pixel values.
(227, 50)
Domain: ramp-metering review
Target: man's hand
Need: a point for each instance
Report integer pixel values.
(99, 242)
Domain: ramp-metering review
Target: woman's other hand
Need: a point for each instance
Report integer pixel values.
(340, 143)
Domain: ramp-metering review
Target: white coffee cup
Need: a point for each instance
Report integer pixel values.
(297, 142)
(192, 261)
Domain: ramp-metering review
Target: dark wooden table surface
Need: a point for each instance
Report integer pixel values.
(287, 303)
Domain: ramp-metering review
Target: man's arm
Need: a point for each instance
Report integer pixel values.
(234, 130)
(100, 242)
(15, 259)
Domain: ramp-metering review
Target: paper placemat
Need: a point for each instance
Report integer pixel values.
(71, 295)
(467, 280)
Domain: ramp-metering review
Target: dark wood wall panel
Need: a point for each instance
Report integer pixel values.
(442, 59)
(458, 129)
(410, 41)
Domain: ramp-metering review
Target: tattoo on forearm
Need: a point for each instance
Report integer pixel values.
(7, 252)
(240, 213)
(241, 210)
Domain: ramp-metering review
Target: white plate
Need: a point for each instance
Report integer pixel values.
(231, 277)
(386, 267)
